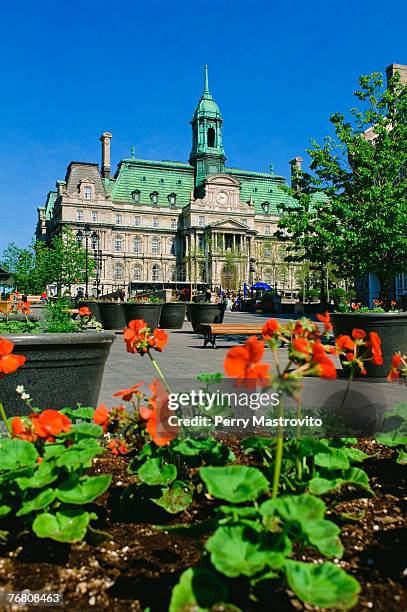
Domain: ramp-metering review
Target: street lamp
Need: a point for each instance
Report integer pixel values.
(97, 256)
(79, 238)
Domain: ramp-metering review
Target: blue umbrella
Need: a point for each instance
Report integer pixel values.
(263, 286)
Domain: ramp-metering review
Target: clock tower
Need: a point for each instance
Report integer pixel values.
(207, 154)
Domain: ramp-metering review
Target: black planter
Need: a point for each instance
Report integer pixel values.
(93, 307)
(61, 370)
(149, 311)
(172, 315)
(205, 313)
(112, 315)
(390, 326)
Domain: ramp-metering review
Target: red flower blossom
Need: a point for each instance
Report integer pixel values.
(324, 367)
(345, 343)
(24, 307)
(326, 320)
(85, 312)
(358, 334)
(375, 346)
(127, 394)
(139, 339)
(21, 429)
(159, 339)
(244, 362)
(270, 329)
(301, 348)
(117, 447)
(50, 423)
(156, 414)
(101, 416)
(9, 363)
(396, 360)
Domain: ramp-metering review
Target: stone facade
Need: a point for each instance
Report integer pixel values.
(168, 222)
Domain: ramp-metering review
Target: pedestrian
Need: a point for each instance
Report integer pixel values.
(208, 295)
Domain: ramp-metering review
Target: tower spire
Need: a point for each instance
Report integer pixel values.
(206, 81)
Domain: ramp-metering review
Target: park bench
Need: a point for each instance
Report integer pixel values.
(212, 330)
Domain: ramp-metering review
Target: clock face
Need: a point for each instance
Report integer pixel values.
(222, 197)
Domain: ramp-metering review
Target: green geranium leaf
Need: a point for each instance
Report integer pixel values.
(237, 550)
(85, 430)
(198, 589)
(80, 455)
(235, 483)
(41, 501)
(325, 585)
(155, 472)
(402, 457)
(42, 476)
(175, 498)
(79, 413)
(68, 525)
(355, 455)
(335, 459)
(307, 512)
(354, 476)
(238, 511)
(4, 510)
(74, 492)
(392, 438)
(16, 454)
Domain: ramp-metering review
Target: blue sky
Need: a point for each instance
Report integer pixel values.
(72, 69)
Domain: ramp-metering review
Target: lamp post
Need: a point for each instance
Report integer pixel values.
(79, 237)
(97, 256)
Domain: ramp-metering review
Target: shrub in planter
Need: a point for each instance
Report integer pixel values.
(205, 313)
(64, 362)
(173, 315)
(148, 311)
(112, 315)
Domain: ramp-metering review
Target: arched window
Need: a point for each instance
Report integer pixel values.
(137, 244)
(155, 273)
(155, 246)
(136, 273)
(118, 271)
(172, 246)
(211, 137)
(173, 273)
(136, 196)
(118, 244)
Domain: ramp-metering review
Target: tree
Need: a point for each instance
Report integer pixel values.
(66, 260)
(351, 210)
(21, 263)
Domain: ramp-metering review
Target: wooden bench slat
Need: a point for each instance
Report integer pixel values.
(211, 330)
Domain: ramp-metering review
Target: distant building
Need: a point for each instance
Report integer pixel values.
(170, 222)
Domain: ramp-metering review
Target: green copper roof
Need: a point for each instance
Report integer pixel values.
(49, 204)
(261, 187)
(207, 106)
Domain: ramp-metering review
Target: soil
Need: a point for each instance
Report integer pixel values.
(136, 565)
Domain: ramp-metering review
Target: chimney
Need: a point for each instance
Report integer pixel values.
(393, 68)
(105, 140)
(295, 170)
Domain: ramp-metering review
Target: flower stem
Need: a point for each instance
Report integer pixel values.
(159, 372)
(279, 452)
(3, 417)
(298, 461)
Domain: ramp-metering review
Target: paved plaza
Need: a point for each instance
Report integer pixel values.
(184, 357)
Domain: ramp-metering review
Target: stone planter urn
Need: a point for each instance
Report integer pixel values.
(112, 315)
(149, 311)
(391, 327)
(205, 313)
(173, 315)
(93, 306)
(61, 370)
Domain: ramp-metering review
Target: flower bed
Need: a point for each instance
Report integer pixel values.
(170, 522)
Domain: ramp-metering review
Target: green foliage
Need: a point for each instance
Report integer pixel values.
(175, 498)
(394, 431)
(352, 210)
(19, 327)
(235, 483)
(153, 472)
(57, 319)
(44, 483)
(198, 589)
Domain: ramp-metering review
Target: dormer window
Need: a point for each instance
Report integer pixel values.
(172, 198)
(266, 207)
(135, 196)
(87, 192)
(154, 197)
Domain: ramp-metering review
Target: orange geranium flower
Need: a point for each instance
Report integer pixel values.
(323, 365)
(244, 362)
(326, 320)
(127, 394)
(156, 414)
(376, 348)
(345, 343)
(21, 429)
(159, 339)
(50, 423)
(300, 347)
(84, 311)
(270, 329)
(9, 363)
(117, 447)
(139, 339)
(358, 334)
(101, 416)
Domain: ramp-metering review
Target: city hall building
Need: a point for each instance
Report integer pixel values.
(163, 222)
